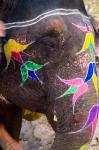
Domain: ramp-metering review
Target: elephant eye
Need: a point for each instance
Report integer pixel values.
(49, 40)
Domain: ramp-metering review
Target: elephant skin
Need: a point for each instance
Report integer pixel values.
(55, 41)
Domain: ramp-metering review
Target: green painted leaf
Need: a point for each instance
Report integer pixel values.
(71, 90)
(24, 73)
(91, 48)
(33, 66)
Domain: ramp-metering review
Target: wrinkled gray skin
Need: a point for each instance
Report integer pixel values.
(56, 41)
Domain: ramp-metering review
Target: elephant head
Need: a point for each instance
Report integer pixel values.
(51, 50)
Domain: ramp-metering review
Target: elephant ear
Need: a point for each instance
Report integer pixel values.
(24, 73)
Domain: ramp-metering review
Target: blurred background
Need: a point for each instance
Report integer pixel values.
(92, 7)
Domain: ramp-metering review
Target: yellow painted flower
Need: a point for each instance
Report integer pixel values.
(13, 46)
(88, 43)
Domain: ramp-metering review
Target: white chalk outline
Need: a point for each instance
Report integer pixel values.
(60, 11)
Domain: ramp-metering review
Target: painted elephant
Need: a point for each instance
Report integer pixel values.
(49, 50)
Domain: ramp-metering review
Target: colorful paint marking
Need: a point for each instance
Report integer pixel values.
(84, 28)
(91, 120)
(89, 42)
(84, 147)
(93, 126)
(77, 88)
(28, 69)
(92, 74)
(12, 49)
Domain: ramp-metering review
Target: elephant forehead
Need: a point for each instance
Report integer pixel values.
(57, 19)
(70, 26)
(59, 24)
(48, 14)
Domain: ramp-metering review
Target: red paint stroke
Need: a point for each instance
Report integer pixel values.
(17, 56)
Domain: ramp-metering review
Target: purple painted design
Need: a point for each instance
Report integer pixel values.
(92, 114)
(94, 124)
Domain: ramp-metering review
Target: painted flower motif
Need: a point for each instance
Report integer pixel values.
(92, 74)
(93, 125)
(91, 120)
(77, 88)
(28, 69)
(89, 42)
(12, 49)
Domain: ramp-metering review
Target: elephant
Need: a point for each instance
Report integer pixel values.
(43, 55)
